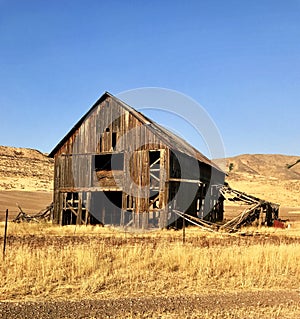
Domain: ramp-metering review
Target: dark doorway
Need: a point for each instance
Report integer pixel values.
(106, 208)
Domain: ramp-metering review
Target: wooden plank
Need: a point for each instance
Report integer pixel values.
(60, 215)
(164, 187)
(145, 221)
(79, 215)
(185, 180)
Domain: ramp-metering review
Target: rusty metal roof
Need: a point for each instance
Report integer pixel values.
(171, 140)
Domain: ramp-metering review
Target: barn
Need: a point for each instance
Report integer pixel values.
(118, 167)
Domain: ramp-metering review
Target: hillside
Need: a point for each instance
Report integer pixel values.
(25, 169)
(26, 178)
(267, 165)
(266, 176)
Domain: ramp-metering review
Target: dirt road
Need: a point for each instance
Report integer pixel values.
(155, 307)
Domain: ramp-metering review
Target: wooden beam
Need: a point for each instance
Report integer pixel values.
(155, 162)
(184, 180)
(72, 210)
(89, 189)
(79, 215)
(155, 177)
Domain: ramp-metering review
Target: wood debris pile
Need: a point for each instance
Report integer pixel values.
(260, 211)
(43, 215)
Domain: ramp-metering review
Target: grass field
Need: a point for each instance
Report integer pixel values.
(44, 261)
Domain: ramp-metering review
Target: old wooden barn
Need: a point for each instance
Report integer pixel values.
(118, 167)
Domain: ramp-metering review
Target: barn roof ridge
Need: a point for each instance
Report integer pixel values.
(172, 140)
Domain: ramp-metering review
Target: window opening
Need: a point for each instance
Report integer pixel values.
(108, 162)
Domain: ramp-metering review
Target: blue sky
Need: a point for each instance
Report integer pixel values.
(239, 59)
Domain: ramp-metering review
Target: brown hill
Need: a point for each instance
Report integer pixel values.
(25, 169)
(268, 165)
(266, 176)
(26, 178)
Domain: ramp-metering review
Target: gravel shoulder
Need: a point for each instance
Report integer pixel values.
(154, 307)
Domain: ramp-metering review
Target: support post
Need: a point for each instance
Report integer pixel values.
(5, 234)
(79, 214)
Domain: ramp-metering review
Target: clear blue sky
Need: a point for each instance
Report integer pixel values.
(239, 59)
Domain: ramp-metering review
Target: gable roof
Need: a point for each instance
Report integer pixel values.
(173, 141)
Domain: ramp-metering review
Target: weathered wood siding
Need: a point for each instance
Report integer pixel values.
(109, 128)
(141, 186)
(95, 135)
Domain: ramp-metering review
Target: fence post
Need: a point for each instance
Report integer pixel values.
(183, 230)
(5, 234)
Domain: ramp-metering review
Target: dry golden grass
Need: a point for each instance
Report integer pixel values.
(136, 264)
(47, 228)
(284, 192)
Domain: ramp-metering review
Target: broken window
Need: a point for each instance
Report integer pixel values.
(108, 140)
(108, 162)
(154, 161)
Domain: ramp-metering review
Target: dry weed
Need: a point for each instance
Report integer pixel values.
(157, 264)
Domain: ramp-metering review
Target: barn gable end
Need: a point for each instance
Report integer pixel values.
(118, 167)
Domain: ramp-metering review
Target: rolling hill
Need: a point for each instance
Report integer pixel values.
(266, 176)
(25, 169)
(26, 177)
